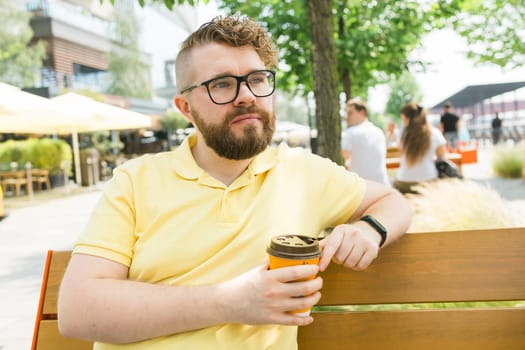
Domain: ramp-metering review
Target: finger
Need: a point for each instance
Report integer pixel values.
(302, 288)
(330, 247)
(354, 257)
(294, 273)
(302, 303)
(366, 260)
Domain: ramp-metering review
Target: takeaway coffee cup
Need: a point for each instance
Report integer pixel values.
(291, 250)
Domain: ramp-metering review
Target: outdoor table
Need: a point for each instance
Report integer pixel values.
(393, 162)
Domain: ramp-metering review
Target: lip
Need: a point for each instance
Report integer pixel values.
(246, 117)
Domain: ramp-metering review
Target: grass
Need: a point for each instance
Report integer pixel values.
(420, 306)
(453, 204)
(507, 161)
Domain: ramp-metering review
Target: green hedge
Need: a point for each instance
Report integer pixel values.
(44, 153)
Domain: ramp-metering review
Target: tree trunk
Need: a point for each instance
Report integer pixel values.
(345, 74)
(325, 80)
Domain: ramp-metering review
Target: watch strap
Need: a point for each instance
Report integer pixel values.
(376, 225)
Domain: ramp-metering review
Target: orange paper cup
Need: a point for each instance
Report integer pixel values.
(292, 250)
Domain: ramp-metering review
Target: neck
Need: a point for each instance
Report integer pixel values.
(224, 170)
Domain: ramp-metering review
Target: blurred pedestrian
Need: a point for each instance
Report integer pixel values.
(364, 144)
(497, 128)
(420, 144)
(392, 134)
(449, 125)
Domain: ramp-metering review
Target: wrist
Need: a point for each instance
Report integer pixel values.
(377, 227)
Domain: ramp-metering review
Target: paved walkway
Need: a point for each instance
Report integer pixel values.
(54, 219)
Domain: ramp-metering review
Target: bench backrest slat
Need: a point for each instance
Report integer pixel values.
(449, 329)
(436, 267)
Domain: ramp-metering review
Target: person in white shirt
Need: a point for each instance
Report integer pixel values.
(364, 144)
(420, 144)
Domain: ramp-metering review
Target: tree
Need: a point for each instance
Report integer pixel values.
(172, 121)
(129, 75)
(372, 42)
(402, 90)
(324, 71)
(494, 30)
(20, 61)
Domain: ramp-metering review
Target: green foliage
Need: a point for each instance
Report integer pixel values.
(19, 62)
(507, 162)
(51, 154)
(373, 41)
(494, 30)
(173, 120)
(129, 75)
(45, 153)
(402, 90)
(420, 306)
(14, 151)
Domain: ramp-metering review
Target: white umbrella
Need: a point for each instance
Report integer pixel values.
(23, 112)
(102, 115)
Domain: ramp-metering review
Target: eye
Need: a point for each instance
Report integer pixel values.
(222, 83)
(258, 78)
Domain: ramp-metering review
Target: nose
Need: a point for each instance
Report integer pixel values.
(245, 96)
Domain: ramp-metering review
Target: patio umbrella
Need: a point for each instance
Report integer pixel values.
(69, 114)
(104, 116)
(23, 112)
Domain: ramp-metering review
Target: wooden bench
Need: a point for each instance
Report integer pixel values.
(438, 267)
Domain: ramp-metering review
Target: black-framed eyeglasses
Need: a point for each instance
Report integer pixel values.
(225, 89)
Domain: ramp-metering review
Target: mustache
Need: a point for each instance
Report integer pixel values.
(246, 110)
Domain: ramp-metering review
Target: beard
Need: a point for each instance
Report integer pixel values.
(226, 144)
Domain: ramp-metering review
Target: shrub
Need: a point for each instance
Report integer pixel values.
(15, 151)
(44, 153)
(49, 154)
(508, 161)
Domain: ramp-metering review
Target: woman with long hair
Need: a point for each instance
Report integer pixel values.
(420, 144)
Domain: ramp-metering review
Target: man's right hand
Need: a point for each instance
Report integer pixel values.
(262, 296)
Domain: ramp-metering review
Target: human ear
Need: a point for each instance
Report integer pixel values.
(183, 106)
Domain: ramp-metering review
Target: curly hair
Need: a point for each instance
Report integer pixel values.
(235, 31)
(415, 140)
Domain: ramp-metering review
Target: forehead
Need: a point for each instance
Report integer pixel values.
(214, 59)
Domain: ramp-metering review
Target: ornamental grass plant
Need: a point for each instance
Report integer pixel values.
(507, 160)
(453, 204)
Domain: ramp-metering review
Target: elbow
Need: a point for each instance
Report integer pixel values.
(68, 326)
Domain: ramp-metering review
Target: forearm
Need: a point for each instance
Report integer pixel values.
(388, 206)
(122, 311)
(396, 221)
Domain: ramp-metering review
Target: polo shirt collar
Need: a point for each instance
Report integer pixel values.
(184, 163)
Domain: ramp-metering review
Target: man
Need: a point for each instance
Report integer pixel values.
(497, 125)
(364, 144)
(174, 254)
(449, 125)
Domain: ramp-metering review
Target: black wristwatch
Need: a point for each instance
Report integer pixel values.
(372, 221)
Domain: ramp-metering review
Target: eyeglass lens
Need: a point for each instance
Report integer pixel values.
(225, 89)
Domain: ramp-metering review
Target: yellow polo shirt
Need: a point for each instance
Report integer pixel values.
(172, 223)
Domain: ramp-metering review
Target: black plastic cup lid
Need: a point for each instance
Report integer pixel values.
(294, 247)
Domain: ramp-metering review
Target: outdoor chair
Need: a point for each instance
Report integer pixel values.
(14, 180)
(40, 177)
